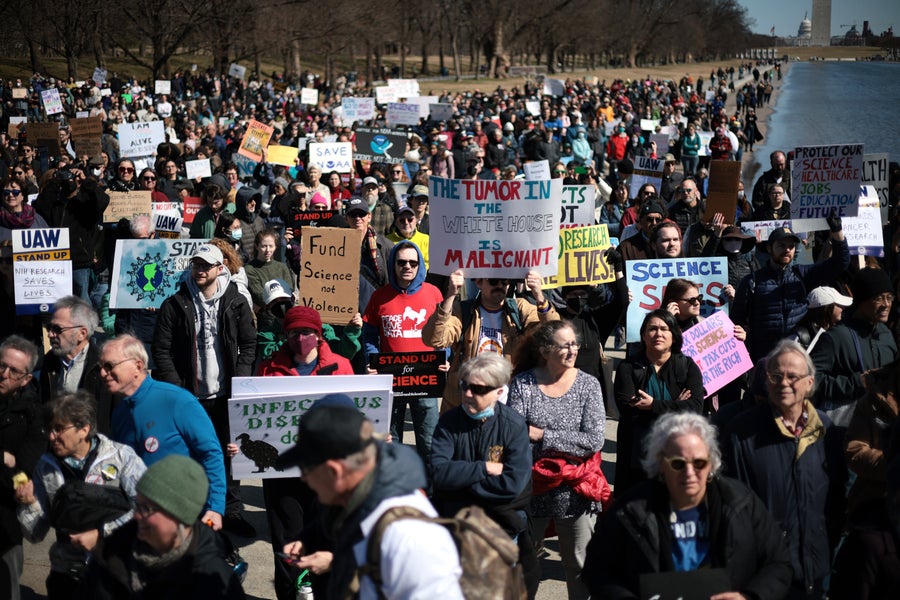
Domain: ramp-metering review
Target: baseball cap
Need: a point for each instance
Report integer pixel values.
(356, 204)
(420, 190)
(825, 295)
(783, 233)
(275, 289)
(209, 254)
(405, 209)
(329, 430)
(370, 181)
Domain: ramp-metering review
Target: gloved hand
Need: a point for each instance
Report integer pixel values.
(614, 259)
(834, 221)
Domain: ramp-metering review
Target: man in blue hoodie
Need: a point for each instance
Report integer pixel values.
(393, 322)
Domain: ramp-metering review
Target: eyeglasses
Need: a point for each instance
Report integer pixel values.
(13, 193)
(144, 510)
(477, 390)
(698, 299)
(14, 373)
(679, 463)
(566, 347)
(57, 330)
(126, 170)
(57, 430)
(411, 263)
(883, 299)
(108, 366)
(776, 378)
(498, 282)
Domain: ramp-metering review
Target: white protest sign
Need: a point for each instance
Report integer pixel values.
(236, 70)
(385, 94)
(269, 409)
(494, 228)
(646, 170)
(533, 107)
(578, 203)
(763, 229)
(424, 103)
(52, 101)
(864, 232)
(99, 76)
(536, 170)
(335, 156)
(823, 179)
(197, 168)
(309, 96)
(405, 88)
(42, 269)
(705, 138)
(554, 87)
(140, 139)
(161, 87)
(358, 109)
(401, 113)
(662, 143)
(647, 280)
(167, 216)
(40, 244)
(875, 173)
(440, 111)
(649, 124)
(82, 114)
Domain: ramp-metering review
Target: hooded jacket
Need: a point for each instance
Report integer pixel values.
(251, 222)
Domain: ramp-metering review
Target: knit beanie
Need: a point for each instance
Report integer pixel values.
(869, 283)
(298, 317)
(282, 182)
(178, 485)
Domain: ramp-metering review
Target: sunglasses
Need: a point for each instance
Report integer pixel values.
(478, 390)
(411, 263)
(57, 330)
(126, 170)
(498, 281)
(679, 463)
(693, 301)
(149, 178)
(406, 219)
(13, 193)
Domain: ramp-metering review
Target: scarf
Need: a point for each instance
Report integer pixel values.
(21, 220)
(372, 241)
(147, 562)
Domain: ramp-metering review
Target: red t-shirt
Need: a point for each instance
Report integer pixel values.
(400, 317)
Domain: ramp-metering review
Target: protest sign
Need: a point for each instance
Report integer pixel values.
(380, 145)
(401, 113)
(578, 203)
(19, 93)
(146, 272)
(269, 409)
(763, 229)
(255, 139)
(309, 218)
(335, 156)
(385, 94)
(167, 218)
(236, 70)
(864, 232)
(721, 357)
(140, 139)
(875, 174)
(52, 101)
(126, 205)
(646, 170)
(423, 103)
(554, 87)
(494, 228)
(405, 88)
(533, 107)
(649, 124)
(357, 109)
(416, 374)
(705, 138)
(99, 76)
(662, 143)
(528, 71)
(329, 273)
(44, 135)
(282, 155)
(440, 111)
(86, 133)
(647, 280)
(42, 269)
(197, 168)
(309, 96)
(537, 170)
(581, 258)
(192, 205)
(161, 87)
(721, 196)
(823, 179)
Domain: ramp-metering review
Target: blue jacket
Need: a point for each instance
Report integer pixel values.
(162, 419)
(805, 494)
(770, 302)
(459, 451)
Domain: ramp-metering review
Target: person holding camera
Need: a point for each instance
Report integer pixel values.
(76, 200)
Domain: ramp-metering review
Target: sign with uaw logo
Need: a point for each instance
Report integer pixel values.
(42, 269)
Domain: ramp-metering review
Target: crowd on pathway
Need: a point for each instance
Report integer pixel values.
(783, 484)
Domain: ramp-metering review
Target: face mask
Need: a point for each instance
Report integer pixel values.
(96, 172)
(731, 245)
(483, 414)
(576, 303)
(237, 234)
(740, 194)
(305, 343)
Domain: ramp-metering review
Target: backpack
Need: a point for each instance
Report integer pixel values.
(81, 506)
(487, 555)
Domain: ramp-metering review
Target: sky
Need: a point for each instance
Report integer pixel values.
(785, 15)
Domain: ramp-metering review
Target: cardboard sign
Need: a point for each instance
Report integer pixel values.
(416, 374)
(329, 273)
(440, 111)
(581, 257)
(269, 409)
(647, 280)
(19, 93)
(146, 272)
(52, 101)
(42, 132)
(400, 113)
(380, 145)
(236, 70)
(875, 174)
(161, 87)
(126, 205)
(494, 228)
(864, 232)
(712, 345)
(192, 205)
(309, 96)
(823, 179)
(140, 139)
(86, 127)
(721, 196)
(255, 139)
(537, 170)
(358, 109)
(336, 156)
(646, 170)
(42, 269)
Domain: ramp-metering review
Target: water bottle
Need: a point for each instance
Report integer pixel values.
(305, 593)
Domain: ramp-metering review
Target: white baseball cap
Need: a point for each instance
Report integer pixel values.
(824, 296)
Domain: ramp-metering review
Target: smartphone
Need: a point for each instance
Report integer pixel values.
(287, 558)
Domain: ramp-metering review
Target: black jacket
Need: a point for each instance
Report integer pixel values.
(635, 538)
(22, 435)
(201, 574)
(90, 381)
(175, 339)
(82, 214)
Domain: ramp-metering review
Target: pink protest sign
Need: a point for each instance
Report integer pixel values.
(721, 357)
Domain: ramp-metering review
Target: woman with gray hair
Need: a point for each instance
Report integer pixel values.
(687, 518)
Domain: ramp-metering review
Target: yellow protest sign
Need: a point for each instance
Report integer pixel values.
(581, 259)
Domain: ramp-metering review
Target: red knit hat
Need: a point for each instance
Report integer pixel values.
(298, 317)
